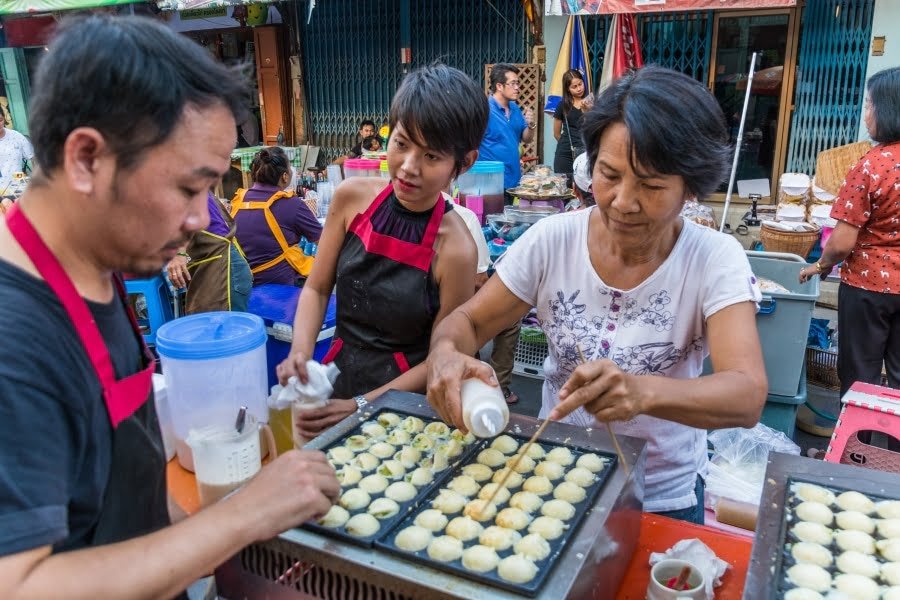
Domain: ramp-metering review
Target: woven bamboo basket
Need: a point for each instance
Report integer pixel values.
(821, 369)
(833, 165)
(800, 243)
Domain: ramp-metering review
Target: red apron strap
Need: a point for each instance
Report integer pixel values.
(434, 223)
(55, 277)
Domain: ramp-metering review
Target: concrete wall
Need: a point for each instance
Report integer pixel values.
(885, 22)
(554, 27)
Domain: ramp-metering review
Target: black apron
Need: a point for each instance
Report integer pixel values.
(383, 323)
(134, 503)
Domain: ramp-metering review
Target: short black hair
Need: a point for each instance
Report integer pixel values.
(269, 165)
(130, 78)
(675, 127)
(498, 74)
(365, 122)
(441, 108)
(884, 94)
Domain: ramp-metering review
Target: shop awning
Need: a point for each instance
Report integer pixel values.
(12, 7)
(603, 7)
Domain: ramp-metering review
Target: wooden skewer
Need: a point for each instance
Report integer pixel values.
(512, 467)
(540, 430)
(609, 429)
(679, 584)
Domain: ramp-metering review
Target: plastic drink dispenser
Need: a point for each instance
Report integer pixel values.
(362, 167)
(213, 364)
(485, 412)
(484, 179)
(225, 459)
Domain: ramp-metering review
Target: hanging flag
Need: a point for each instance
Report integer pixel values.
(623, 50)
(580, 58)
(573, 54)
(554, 97)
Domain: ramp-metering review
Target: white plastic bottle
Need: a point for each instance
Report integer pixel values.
(484, 409)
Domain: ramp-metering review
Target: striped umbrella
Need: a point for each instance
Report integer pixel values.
(623, 50)
(573, 54)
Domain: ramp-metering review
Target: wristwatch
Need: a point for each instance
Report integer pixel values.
(360, 402)
(532, 126)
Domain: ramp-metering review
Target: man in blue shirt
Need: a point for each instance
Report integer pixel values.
(507, 126)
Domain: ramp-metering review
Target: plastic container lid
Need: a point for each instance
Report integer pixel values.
(484, 166)
(363, 164)
(384, 166)
(210, 335)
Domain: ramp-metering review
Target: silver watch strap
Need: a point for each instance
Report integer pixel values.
(360, 401)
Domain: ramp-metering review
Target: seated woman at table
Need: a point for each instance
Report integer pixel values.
(271, 219)
(399, 256)
(643, 294)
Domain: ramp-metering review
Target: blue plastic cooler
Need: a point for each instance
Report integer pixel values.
(276, 304)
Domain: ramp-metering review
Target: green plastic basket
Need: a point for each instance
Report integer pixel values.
(533, 335)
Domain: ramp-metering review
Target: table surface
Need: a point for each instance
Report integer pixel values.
(657, 535)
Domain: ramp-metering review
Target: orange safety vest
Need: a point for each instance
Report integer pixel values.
(292, 254)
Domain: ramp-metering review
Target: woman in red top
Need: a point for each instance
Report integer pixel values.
(867, 239)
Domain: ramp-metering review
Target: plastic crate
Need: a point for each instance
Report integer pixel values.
(780, 412)
(783, 319)
(529, 357)
(821, 368)
(277, 305)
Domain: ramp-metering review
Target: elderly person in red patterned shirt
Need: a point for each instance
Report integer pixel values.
(867, 239)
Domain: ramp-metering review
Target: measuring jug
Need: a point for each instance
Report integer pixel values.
(225, 459)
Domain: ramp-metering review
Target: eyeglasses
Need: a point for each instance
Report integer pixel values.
(512, 84)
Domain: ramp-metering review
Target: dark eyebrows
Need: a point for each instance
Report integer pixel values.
(207, 173)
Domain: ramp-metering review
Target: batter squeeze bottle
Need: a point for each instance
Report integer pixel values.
(484, 409)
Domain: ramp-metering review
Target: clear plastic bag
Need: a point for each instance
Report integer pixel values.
(699, 213)
(737, 470)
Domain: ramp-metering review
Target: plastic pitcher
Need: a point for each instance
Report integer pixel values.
(334, 174)
(213, 364)
(362, 167)
(225, 459)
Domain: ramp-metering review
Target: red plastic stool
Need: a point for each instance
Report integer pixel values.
(866, 407)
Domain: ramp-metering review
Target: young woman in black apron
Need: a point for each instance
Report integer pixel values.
(397, 255)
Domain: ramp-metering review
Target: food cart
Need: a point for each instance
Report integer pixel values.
(605, 556)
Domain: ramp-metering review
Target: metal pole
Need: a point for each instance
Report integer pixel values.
(737, 147)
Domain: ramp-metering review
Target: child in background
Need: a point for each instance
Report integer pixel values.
(372, 144)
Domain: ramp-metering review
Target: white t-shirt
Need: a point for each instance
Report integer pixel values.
(471, 221)
(15, 149)
(656, 328)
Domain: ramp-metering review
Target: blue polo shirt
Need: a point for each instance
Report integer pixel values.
(501, 140)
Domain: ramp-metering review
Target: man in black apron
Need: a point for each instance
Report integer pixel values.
(132, 125)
